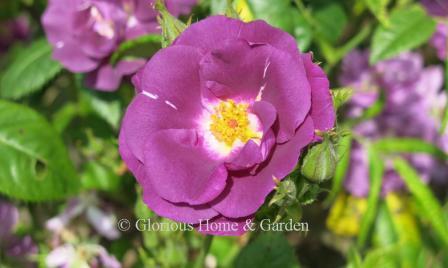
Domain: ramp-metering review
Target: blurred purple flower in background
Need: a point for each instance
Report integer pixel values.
(81, 256)
(18, 249)
(103, 221)
(13, 30)
(413, 101)
(84, 34)
(439, 8)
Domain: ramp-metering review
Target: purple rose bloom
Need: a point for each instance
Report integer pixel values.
(220, 114)
(84, 34)
(17, 249)
(413, 94)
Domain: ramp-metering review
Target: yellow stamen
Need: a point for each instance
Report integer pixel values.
(230, 123)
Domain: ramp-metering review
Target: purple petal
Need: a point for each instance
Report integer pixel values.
(169, 96)
(21, 247)
(439, 40)
(104, 222)
(288, 90)
(236, 58)
(436, 7)
(62, 256)
(9, 216)
(357, 179)
(181, 170)
(107, 260)
(322, 110)
(74, 208)
(238, 201)
(252, 153)
(108, 77)
(180, 7)
(210, 33)
(261, 32)
(177, 212)
(55, 18)
(73, 58)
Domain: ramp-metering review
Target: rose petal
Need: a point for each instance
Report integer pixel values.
(181, 170)
(322, 110)
(236, 201)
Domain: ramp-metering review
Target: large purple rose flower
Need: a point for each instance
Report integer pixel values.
(84, 34)
(413, 97)
(218, 116)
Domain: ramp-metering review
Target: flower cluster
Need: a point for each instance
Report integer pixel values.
(219, 117)
(84, 34)
(412, 98)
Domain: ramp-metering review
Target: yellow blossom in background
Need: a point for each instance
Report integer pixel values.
(345, 215)
(244, 11)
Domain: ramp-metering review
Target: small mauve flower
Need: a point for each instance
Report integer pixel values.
(18, 249)
(218, 116)
(84, 34)
(414, 101)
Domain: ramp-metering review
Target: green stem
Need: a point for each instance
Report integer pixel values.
(200, 260)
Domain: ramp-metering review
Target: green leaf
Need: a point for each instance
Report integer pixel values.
(409, 145)
(225, 249)
(408, 29)
(34, 162)
(99, 177)
(376, 172)
(62, 118)
(341, 96)
(384, 234)
(9, 9)
(382, 257)
(279, 14)
(30, 70)
(379, 9)
(330, 20)
(354, 258)
(303, 32)
(142, 47)
(105, 105)
(424, 197)
(267, 250)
